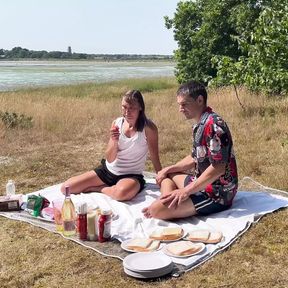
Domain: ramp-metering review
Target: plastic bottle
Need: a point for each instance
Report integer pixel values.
(68, 215)
(91, 218)
(82, 221)
(10, 188)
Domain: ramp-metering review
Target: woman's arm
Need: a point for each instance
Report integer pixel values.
(112, 147)
(151, 132)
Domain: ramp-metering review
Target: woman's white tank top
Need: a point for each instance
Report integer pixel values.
(132, 152)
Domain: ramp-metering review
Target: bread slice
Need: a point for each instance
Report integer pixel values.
(167, 233)
(199, 235)
(215, 237)
(154, 246)
(205, 236)
(183, 248)
(139, 243)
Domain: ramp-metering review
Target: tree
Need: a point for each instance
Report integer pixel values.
(265, 67)
(239, 41)
(206, 28)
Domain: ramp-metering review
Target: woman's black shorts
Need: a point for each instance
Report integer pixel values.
(111, 179)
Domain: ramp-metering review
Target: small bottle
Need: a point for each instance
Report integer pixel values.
(104, 226)
(82, 221)
(10, 188)
(68, 215)
(91, 218)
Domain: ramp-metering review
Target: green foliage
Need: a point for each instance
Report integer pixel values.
(265, 67)
(207, 28)
(13, 120)
(232, 42)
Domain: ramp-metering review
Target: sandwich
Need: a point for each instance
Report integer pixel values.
(183, 248)
(215, 237)
(142, 245)
(167, 233)
(205, 236)
(198, 235)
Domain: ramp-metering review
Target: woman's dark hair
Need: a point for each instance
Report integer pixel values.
(131, 97)
(193, 89)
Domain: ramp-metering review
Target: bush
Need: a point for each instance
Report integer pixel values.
(13, 120)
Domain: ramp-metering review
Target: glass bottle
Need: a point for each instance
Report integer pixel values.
(68, 215)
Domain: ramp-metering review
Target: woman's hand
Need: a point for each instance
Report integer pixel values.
(114, 133)
(175, 198)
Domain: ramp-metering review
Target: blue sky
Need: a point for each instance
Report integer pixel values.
(88, 26)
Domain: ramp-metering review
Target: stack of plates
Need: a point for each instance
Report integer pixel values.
(147, 265)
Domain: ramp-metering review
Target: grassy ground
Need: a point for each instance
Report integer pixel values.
(69, 136)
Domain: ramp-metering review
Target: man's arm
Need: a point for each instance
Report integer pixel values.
(212, 173)
(181, 166)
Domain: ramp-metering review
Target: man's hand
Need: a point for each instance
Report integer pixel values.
(175, 198)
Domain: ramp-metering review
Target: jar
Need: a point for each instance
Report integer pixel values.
(104, 225)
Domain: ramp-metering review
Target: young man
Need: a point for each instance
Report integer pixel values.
(214, 184)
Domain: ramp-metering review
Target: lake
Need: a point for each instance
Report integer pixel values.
(23, 74)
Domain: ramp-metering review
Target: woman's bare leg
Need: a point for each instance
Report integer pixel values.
(124, 190)
(85, 182)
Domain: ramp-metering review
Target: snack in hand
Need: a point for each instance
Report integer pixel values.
(182, 248)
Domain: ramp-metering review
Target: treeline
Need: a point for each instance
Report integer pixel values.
(23, 53)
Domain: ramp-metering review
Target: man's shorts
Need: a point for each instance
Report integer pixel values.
(111, 179)
(204, 204)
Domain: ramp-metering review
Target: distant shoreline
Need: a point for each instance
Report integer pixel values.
(18, 74)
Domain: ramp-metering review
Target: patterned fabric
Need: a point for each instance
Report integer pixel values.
(213, 144)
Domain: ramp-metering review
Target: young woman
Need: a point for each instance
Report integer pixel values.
(132, 136)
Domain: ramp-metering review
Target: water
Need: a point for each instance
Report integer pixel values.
(24, 74)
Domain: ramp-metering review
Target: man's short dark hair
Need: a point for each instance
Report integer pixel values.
(193, 89)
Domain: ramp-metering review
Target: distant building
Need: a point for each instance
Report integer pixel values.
(69, 50)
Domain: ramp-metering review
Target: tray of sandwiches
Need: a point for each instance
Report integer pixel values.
(205, 236)
(183, 249)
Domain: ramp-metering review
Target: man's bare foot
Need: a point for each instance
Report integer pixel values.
(146, 212)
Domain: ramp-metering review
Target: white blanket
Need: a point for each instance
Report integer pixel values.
(248, 207)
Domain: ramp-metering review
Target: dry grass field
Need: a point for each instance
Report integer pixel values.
(69, 136)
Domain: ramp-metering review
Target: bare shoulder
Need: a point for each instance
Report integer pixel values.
(150, 127)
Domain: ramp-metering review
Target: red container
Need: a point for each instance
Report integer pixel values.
(82, 226)
(104, 226)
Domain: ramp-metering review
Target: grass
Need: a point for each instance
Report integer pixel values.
(69, 136)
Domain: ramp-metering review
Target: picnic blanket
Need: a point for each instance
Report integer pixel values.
(248, 207)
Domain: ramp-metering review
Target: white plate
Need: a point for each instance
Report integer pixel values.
(45, 219)
(146, 262)
(150, 274)
(125, 243)
(203, 246)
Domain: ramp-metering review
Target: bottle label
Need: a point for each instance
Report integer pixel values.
(69, 225)
(107, 230)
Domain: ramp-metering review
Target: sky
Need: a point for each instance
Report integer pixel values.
(88, 26)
